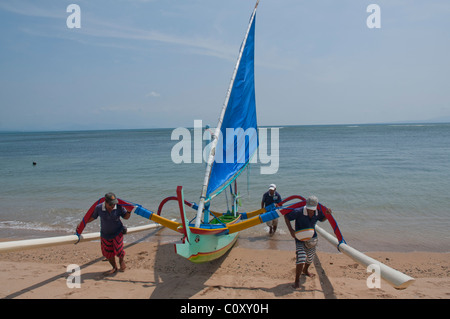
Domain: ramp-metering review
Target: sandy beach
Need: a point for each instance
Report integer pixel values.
(154, 271)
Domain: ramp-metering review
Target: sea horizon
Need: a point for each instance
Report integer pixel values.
(445, 121)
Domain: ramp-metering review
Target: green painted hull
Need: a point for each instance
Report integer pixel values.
(200, 248)
(204, 248)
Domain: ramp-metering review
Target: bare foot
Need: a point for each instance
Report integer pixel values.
(307, 273)
(122, 266)
(110, 272)
(296, 285)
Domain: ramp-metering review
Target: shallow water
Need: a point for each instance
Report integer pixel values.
(387, 184)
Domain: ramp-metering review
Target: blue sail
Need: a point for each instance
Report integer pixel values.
(239, 132)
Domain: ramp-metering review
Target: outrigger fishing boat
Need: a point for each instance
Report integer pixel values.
(211, 234)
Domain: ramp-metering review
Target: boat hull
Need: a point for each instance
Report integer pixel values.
(205, 248)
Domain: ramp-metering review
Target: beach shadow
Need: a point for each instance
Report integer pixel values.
(327, 287)
(279, 291)
(286, 289)
(50, 280)
(144, 283)
(176, 277)
(88, 276)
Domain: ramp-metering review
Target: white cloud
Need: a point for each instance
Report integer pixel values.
(32, 10)
(93, 26)
(153, 94)
(197, 44)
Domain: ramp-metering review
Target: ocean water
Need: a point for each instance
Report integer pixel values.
(388, 185)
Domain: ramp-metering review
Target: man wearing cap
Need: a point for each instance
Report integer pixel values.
(305, 235)
(271, 197)
(111, 230)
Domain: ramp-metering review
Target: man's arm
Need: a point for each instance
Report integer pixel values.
(278, 201)
(327, 212)
(262, 201)
(125, 214)
(289, 226)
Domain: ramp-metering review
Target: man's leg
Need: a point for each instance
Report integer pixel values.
(275, 225)
(310, 254)
(122, 264)
(112, 261)
(108, 253)
(300, 261)
(306, 272)
(119, 251)
(298, 272)
(269, 224)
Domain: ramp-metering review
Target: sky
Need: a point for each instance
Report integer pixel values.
(164, 64)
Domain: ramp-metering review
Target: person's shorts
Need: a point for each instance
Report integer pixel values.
(113, 247)
(304, 254)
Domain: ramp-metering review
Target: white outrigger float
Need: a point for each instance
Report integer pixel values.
(395, 278)
(18, 245)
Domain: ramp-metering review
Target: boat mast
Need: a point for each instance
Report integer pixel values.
(216, 135)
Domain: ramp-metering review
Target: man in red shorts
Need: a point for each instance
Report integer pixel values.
(111, 230)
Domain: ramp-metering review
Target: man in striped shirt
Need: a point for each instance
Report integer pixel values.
(305, 235)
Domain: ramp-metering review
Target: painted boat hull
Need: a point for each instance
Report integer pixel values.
(198, 247)
(205, 248)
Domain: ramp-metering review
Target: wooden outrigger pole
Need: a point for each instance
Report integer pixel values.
(394, 277)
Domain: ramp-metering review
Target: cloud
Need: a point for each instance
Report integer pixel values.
(153, 94)
(196, 44)
(31, 9)
(105, 31)
(96, 27)
(122, 109)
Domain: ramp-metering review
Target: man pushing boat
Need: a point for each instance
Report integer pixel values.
(271, 197)
(305, 235)
(111, 230)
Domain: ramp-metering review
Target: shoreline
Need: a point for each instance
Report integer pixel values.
(155, 271)
(260, 239)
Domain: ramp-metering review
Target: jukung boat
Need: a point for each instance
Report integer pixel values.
(211, 234)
